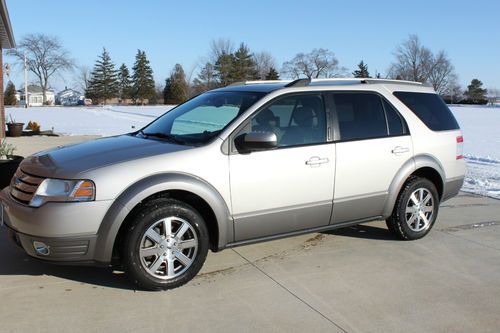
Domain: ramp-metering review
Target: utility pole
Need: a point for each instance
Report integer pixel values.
(26, 98)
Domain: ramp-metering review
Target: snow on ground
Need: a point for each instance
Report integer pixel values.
(481, 130)
(93, 120)
(480, 127)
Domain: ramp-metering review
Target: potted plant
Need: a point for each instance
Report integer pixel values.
(15, 129)
(8, 163)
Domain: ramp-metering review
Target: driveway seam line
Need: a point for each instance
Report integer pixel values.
(291, 292)
(469, 240)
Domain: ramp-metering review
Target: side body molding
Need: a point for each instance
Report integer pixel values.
(418, 161)
(146, 187)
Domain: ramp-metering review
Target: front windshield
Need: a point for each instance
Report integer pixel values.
(200, 119)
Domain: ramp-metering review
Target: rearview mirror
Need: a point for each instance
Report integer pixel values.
(256, 141)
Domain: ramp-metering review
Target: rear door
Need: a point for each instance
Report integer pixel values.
(289, 188)
(373, 143)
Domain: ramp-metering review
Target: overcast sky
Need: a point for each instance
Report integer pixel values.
(180, 31)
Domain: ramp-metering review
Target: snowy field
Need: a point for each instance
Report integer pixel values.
(480, 126)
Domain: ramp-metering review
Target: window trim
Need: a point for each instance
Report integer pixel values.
(231, 150)
(335, 118)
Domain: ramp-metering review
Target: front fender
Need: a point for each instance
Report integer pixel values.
(146, 187)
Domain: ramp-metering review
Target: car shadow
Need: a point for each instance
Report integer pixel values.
(364, 231)
(13, 261)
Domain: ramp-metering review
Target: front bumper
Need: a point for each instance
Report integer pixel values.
(68, 229)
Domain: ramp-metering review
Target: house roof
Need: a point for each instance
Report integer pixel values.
(7, 40)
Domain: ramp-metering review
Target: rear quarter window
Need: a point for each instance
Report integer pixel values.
(429, 108)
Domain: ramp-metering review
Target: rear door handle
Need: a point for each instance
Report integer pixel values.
(317, 161)
(400, 150)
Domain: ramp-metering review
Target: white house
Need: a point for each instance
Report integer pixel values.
(69, 97)
(35, 96)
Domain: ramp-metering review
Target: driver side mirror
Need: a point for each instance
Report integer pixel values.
(255, 141)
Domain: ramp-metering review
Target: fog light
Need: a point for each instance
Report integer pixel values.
(41, 248)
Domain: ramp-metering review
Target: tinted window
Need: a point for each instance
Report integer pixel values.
(296, 120)
(396, 124)
(360, 116)
(430, 108)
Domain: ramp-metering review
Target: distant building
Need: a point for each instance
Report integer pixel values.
(69, 97)
(35, 96)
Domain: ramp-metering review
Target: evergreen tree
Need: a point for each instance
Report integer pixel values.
(176, 87)
(475, 94)
(272, 75)
(245, 67)
(362, 71)
(143, 82)
(9, 97)
(225, 69)
(124, 83)
(206, 79)
(103, 83)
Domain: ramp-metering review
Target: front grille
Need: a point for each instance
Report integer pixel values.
(23, 186)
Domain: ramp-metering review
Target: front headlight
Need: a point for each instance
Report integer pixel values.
(59, 190)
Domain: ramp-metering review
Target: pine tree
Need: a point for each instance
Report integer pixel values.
(176, 87)
(143, 82)
(272, 75)
(362, 71)
(124, 83)
(9, 97)
(225, 69)
(475, 94)
(206, 79)
(103, 83)
(245, 67)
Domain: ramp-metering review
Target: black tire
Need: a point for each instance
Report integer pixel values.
(402, 223)
(150, 216)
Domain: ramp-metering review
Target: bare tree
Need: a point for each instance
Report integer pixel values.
(45, 57)
(415, 62)
(219, 47)
(318, 63)
(83, 78)
(441, 73)
(264, 61)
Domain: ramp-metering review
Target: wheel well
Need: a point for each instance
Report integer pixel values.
(432, 175)
(191, 199)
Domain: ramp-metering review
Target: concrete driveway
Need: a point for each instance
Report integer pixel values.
(356, 279)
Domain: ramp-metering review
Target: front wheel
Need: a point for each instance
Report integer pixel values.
(166, 245)
(415, 210)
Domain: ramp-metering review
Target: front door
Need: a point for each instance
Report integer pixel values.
(289, 188)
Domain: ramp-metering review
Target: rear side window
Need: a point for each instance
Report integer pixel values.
(360, 116)
(430, 108)
(395, 123)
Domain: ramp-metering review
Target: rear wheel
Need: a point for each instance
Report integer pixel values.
(415, 210)
(166, 246)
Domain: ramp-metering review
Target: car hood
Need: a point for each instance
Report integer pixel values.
(69, 161)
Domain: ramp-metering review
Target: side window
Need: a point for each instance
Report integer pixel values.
(296, 120)
(396, 124)
(360, 116)
(430, 108)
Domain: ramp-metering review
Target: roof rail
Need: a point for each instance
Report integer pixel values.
(299, 83)
(242, 83)
(364, 80)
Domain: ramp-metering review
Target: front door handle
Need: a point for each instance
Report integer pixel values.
(317, 161)
(400, 150)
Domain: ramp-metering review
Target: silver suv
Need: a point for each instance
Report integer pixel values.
(247, 163)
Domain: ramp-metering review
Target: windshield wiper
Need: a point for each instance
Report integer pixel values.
(168, 137)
